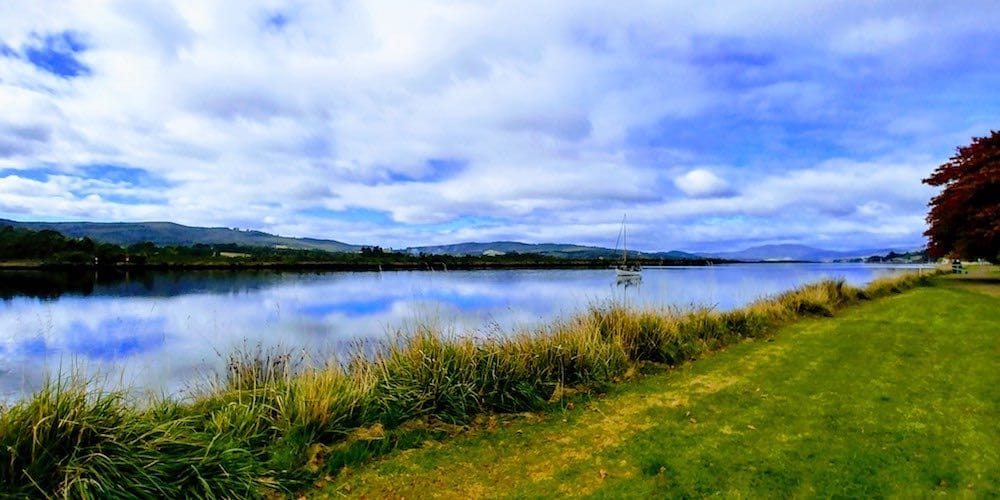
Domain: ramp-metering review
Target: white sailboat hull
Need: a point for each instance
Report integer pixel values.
(628, 272)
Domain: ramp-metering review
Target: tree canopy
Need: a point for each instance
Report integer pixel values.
(964, 220)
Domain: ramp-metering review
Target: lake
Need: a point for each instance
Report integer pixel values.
(163, 331)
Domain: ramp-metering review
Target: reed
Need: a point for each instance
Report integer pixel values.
(68, 440)
(257, 426)
(889, 285)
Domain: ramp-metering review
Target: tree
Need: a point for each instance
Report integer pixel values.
(964, 220)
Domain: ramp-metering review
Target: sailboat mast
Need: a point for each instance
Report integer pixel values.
(624, 240)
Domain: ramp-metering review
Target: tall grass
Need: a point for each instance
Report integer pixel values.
(258, 427)
(68, 441)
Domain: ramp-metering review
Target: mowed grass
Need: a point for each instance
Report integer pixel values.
(897, 397)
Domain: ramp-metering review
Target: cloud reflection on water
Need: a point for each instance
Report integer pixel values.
(114, 338)
(162, 331)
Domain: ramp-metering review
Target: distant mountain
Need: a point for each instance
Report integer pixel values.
(550, 249)
(795, 252)
(168, 233)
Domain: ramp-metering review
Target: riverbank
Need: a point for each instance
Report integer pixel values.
(267, 425)
(424, 264)
(898, 397)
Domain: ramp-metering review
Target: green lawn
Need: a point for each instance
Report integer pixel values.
(899, 397)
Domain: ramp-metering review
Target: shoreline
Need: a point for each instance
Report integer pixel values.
(274, 414)
(439, 265)
(436, 265)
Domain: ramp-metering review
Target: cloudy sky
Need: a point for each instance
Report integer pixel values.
(713, 125)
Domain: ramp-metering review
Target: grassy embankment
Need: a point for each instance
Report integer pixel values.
(268, 426)
(899, 397)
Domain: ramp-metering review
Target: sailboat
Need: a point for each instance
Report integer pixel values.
(624, 270)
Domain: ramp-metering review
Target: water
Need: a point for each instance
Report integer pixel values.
(160, 332)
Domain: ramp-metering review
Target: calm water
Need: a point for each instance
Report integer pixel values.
(161, 331)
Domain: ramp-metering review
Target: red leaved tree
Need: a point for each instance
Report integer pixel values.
(965, 217)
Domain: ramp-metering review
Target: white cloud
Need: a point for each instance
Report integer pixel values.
(702, 183)
(875, 35)
(563, 115)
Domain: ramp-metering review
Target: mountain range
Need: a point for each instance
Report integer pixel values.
(796, 253)
(169, 233)
(549, 249)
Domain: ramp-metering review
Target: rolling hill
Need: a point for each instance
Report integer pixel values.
(795, 253)
(550, 249)
(169, 233)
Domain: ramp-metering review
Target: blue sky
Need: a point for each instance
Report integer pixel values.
(714, 126)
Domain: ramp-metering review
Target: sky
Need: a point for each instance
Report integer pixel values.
(712, 125)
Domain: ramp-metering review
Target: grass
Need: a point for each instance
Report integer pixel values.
(269, 423)
(898, 397)
(65, 441)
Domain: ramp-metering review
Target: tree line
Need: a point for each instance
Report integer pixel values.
(48, 247)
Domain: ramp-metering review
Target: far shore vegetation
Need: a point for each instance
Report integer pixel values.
(272, 423)
(47, 249)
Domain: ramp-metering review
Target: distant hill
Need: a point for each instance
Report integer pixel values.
(912, 257)
(550, 249)
(795, 252)
(168, 233)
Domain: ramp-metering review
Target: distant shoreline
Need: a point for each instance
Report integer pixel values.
(441, 265)
(344, 266)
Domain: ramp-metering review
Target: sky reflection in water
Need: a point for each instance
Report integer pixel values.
(167, 330)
